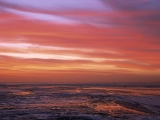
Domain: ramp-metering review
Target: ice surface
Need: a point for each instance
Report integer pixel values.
(79, 102)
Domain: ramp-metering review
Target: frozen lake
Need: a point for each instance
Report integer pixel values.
(125, 101)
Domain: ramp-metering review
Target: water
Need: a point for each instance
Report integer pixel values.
(110, 101)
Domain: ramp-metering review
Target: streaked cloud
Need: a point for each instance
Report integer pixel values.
(84, 38)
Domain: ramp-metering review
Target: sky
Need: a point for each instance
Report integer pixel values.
(72, 41)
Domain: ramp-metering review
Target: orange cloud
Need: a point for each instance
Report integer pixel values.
(100, 47)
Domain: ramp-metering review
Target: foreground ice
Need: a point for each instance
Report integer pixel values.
(79, 102)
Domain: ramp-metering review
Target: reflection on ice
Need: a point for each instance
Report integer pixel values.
(127, 91)
(115, 110)
(22, 93)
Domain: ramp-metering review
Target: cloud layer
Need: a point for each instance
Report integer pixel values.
(90, 38)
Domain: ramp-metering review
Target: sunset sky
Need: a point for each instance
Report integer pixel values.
(79, 41)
